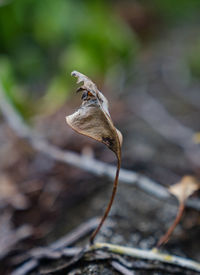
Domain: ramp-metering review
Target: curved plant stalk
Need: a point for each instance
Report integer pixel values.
(181, 190)
(93, 119)
(164, 239)
(105, 215)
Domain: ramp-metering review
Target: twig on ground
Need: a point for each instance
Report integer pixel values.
(33, 260)
(26, 268)
(81, 231)
(58, 248)
(68, 265)
(91, 165)
(122, 269)
(113, 256)
(9, 236)
(153, 255)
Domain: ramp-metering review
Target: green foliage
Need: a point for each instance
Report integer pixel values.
(176, 9)
(45, 40)
(41, 42)
(13, 91)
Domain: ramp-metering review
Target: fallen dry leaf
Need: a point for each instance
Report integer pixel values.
(181, 190)
(196, 138)
(185, 188)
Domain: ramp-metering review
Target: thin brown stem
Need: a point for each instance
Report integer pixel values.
(109, 204)
(164, 239)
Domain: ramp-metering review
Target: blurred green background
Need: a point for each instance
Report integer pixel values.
(41, 42)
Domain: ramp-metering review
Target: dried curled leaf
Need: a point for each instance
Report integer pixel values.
(196, 138)
(185, 188)
(93, 119)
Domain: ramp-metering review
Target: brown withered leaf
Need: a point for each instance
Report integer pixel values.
(196, 138)
(93, 119)
(181, 190)
(185, 188)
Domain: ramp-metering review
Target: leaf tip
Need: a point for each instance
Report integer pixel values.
(74, 73)
(80, 77)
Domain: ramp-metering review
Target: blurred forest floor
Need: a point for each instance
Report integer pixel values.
(42, 199)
